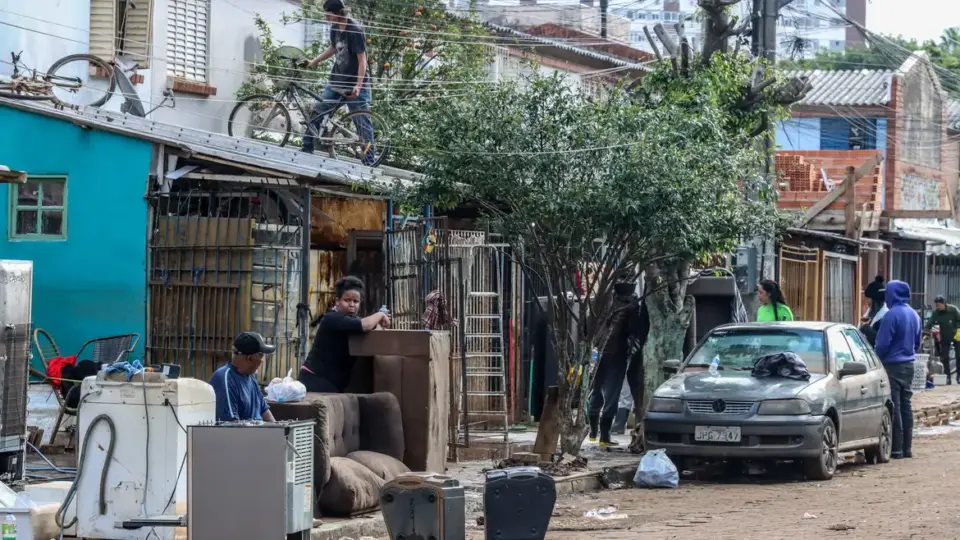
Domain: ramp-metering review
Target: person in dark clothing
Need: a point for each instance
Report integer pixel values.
(875, 286)
(897, 344)
(612, 365)
(636, 373)
(947, 317)
(329, 363)
(870, 322)
(349, 78)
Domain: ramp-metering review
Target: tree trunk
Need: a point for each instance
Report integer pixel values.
(669, 308)
(573, 425)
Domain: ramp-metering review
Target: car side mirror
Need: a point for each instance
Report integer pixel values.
(853, 368)
(671, 366)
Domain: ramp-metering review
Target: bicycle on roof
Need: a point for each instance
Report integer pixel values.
(75, 82)
(361, 135)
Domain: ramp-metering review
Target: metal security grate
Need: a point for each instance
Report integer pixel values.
(303, 459)
(726, 407)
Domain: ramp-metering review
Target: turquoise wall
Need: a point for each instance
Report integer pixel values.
(91, 284)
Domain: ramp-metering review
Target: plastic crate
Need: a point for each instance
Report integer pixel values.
(920, 372)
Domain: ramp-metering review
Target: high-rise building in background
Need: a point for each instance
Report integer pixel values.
(803, 27)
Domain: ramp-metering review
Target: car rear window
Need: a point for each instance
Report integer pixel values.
(740, 349)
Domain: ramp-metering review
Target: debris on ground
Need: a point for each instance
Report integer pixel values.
(560, 465)
(841, 527)
(808, 515)
(610, 512)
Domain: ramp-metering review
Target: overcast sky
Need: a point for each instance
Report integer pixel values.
(920, 19)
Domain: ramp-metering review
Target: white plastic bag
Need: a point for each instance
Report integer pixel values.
(286, 389)
(656, 471)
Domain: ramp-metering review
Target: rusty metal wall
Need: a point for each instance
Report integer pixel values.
(223, 258)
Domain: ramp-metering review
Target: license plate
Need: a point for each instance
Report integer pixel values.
(716, 434)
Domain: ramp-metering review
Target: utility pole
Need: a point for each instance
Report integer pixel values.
(764, 45)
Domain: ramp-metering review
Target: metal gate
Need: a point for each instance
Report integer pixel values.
(841, 286)
(222, 261)
(913, 267)
(800, 281)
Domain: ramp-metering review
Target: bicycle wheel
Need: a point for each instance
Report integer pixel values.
(261, 118)
(81, 80)
(345, 137)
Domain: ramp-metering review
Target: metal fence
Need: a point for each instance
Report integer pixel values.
(222, 261)
(929, 275)
(913, 267)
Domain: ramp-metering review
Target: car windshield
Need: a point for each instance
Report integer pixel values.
(739, 349)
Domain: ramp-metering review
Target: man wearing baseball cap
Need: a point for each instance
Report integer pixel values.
(238, 395)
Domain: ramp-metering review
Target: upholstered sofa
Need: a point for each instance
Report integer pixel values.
(359, 446)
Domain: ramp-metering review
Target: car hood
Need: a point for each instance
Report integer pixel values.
(732, 386)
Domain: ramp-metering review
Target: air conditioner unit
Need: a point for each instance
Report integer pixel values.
(16, 304)
(259, 474)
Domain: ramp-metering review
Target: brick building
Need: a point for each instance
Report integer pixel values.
(903, 206)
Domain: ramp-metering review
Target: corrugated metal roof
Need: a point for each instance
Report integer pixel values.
(524, 38)
(242, 151)
(846, 87)
(953, 114)
(942, 236)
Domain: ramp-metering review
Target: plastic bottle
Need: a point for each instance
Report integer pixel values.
(8, 530)
(714, 365)
(594, 356)
(384, 310)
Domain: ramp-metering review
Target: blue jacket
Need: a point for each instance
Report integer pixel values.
(898, 339)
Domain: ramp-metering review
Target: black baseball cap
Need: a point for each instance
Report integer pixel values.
(252, 343)
(333, 6)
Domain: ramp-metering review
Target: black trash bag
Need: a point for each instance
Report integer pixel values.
(783, 364)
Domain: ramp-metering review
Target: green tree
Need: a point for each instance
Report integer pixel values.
(604, 188)
(420, 56)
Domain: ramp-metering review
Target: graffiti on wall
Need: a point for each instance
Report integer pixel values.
(919, 193)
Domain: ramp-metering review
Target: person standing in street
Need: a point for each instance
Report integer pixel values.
(898, 341)
(870, 322)
(611, 369)
(947, 317)
(774, 306)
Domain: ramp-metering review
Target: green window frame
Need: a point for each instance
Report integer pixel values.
(38, 209)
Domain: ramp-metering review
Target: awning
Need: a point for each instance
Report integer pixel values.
(941, 235)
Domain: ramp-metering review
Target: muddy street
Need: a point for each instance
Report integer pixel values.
(913, 498)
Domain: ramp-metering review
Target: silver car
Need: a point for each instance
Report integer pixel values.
(732, 415)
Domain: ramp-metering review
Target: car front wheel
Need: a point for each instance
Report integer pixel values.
(823, 467)
(881, 452)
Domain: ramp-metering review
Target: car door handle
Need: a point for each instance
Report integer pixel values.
(882, 383)
(863, 390)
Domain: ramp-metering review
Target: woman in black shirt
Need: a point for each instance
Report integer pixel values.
(329, 363)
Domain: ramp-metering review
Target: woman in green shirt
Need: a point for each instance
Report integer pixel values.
(774, 308)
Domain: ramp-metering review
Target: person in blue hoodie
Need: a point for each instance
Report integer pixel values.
(898, 341)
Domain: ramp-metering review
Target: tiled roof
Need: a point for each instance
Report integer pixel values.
(846, 88)
(953, 115)
(518, 38)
